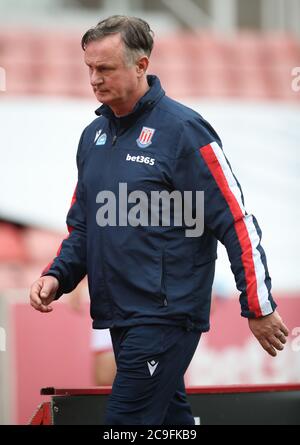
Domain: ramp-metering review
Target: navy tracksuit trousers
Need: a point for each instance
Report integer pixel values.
(149, 386)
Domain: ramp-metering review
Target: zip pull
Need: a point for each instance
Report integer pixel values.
(114, 139)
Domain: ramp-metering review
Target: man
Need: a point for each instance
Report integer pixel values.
(150, 284)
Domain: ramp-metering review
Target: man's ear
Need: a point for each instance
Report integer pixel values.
(142, 66)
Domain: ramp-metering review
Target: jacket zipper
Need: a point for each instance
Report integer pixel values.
(117, 133)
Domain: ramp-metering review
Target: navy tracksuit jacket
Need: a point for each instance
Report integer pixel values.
(157, 275)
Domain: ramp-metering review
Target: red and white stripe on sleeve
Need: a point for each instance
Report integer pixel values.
(254, 269)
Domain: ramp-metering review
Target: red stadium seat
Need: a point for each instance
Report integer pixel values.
(11, 276)
(248, 65)
(11, 244)
(41, 245)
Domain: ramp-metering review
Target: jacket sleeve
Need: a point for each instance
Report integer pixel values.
(69, 266)
(201, 165)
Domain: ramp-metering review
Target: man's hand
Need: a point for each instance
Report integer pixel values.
(43, 292)
(270, 331)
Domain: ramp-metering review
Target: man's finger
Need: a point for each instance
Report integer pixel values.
(284, 329)
(35, 293)
(41, 307)
(35, 305)
(267, 347)
(276, 343)
(46, 309)
(281, 337)
(35, 300)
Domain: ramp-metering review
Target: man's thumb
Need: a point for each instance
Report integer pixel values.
(44, 293)
(47, 289)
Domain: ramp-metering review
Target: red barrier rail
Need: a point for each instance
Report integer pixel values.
(51, 391)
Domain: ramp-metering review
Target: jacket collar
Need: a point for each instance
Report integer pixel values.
(148, 101)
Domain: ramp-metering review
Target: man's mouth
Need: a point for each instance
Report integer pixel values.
(97, 90)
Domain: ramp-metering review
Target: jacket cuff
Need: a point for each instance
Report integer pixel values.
(249, 314)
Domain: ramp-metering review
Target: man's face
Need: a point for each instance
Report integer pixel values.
(113, 81)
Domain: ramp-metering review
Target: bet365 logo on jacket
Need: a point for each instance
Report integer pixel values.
(141, 159)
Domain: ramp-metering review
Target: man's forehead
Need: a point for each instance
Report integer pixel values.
(106, 48)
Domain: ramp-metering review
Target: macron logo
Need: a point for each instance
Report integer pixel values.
(141, 159)
(152, 366)
(97, 135)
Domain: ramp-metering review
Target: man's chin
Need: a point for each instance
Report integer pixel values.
(102, 97)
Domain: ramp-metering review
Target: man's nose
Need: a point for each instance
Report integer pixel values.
(95, 79)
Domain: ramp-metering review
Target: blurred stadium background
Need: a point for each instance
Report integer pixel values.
(238, 63)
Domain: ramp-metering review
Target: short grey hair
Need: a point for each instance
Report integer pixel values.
(136, 35)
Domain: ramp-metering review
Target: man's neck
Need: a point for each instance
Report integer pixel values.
(127, 108)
